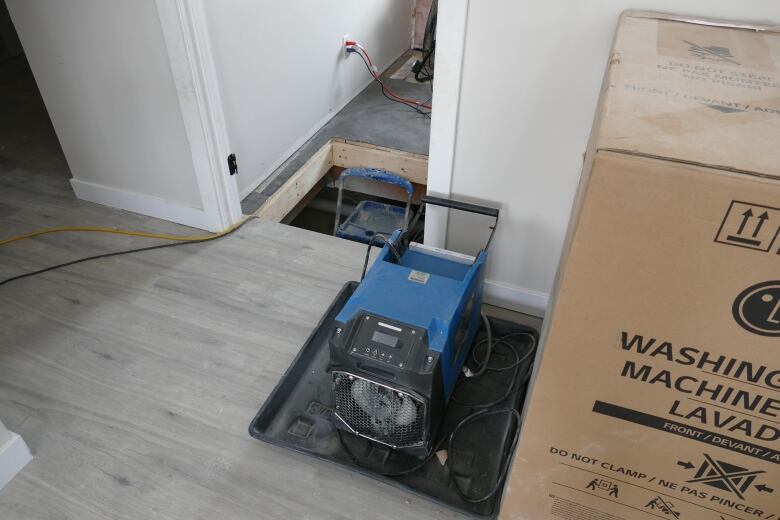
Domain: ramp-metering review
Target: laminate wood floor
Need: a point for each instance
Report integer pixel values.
(133, 379)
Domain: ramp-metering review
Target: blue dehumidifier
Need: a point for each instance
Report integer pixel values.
(401, 339)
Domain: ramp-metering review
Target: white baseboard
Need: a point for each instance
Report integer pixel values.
(516, 298)
(144, 204)
(14, 456)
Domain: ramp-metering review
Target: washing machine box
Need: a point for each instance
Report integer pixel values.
(657, 391)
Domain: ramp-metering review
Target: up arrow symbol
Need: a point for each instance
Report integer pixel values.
(761, 219)
(745, 217)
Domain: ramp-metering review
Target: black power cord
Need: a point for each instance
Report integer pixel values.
(385, 240)
(126, 252)
(423, 69)
(489, 341)
(516, 378)
(504, 340)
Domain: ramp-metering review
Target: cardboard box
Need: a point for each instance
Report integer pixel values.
(658, 389)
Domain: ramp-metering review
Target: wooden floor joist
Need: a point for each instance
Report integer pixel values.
(351, 154)
(295, 189)
(346, 154)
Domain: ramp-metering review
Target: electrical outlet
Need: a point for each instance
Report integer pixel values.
(344, 40)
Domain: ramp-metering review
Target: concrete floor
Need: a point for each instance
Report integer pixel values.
(369, 118)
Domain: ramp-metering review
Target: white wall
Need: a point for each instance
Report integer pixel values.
(530, 81)
(105, 76)
(282, 74)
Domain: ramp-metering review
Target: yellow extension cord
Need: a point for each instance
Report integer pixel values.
(96, 229)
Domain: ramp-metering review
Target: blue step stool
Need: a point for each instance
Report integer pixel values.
(370, 218)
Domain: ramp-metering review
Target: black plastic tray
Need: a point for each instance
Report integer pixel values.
(297, 416)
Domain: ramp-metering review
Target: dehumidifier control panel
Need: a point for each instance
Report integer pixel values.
(383, 340)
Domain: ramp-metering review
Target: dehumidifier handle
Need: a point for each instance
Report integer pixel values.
(461, 206)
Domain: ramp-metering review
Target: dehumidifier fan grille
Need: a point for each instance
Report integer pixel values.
(379, 412)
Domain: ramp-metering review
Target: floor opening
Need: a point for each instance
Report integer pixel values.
(317, 209)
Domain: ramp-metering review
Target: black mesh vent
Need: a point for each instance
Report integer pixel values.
(378, 412)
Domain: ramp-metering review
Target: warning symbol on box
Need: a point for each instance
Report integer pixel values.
(752, 226)
(726, 476)
(600, 484)
(664, 506)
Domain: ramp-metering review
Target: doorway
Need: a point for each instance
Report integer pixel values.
(31, 159)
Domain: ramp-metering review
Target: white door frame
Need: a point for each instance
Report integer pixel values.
(185, 30)
(450, 45)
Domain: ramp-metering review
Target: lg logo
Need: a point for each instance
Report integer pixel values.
(757, 309)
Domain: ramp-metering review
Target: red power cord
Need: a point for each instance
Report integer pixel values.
(356, 47)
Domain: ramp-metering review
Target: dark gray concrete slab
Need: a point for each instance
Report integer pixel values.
(369, 118)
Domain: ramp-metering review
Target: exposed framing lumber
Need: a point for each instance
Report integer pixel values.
(295, 189)
(346, 154)
(350, 154)
(305, 201)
